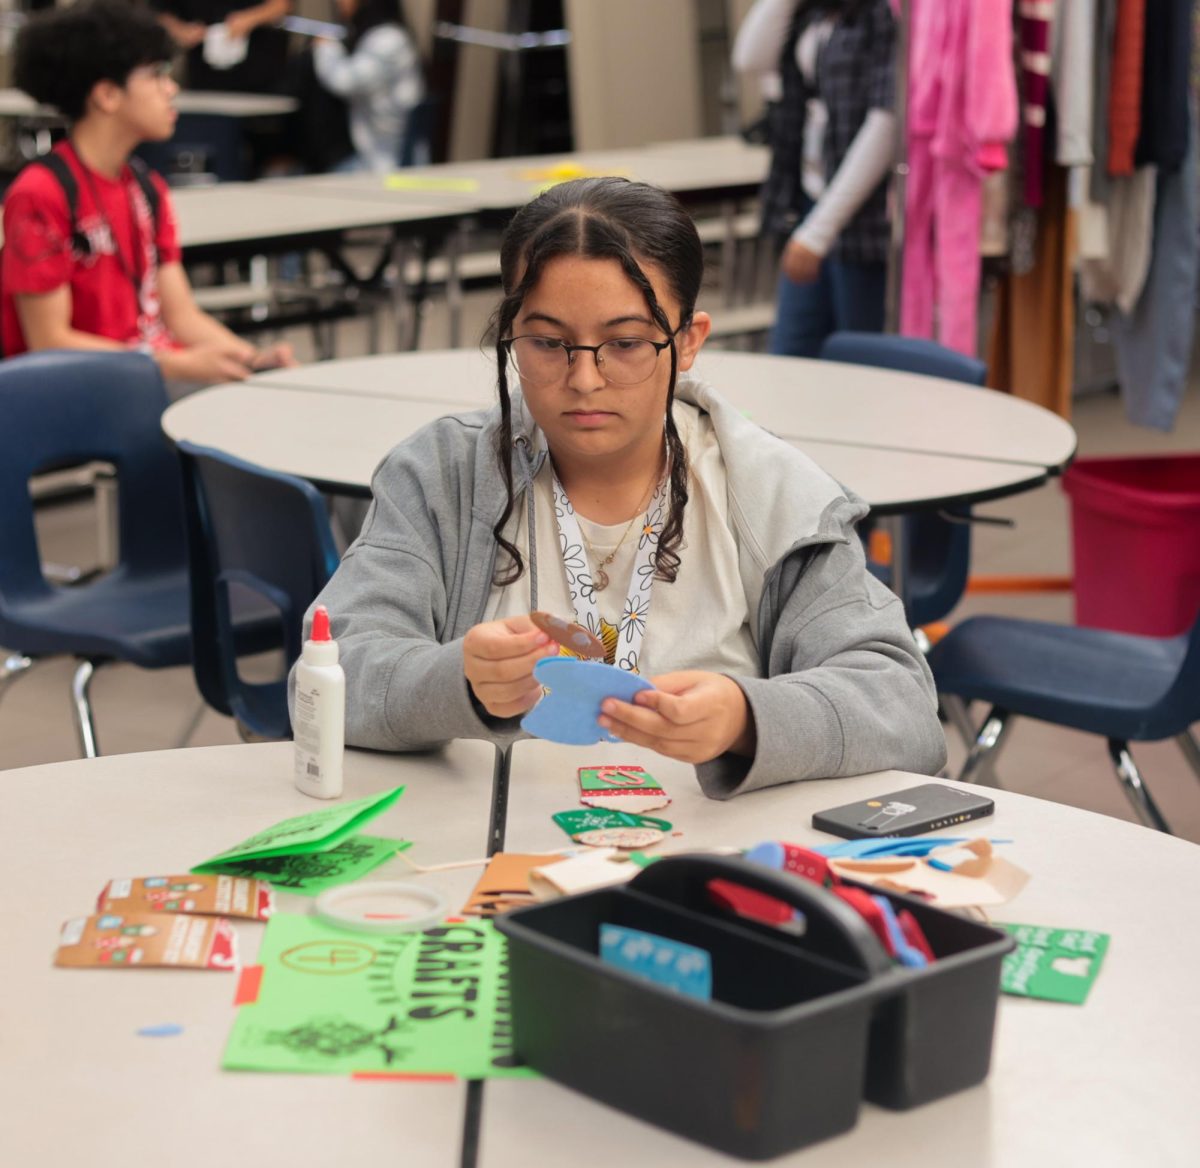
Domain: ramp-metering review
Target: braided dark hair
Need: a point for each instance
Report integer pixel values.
(601, 218)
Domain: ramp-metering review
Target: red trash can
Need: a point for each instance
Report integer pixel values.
(1135, 526)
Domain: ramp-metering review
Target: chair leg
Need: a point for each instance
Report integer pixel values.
(959, 717)
(1191, 750)
(193, 725)
(12, 667)
(1135, 787)
(84, 725)
(985, 749)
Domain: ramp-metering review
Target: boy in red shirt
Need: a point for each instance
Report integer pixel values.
(112, 279)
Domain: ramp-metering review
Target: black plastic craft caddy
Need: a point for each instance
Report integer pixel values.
(800, 1028)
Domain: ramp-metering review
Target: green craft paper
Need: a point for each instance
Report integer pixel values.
(1058, 965)
(582, 819)
(317, 831)
(313, 872)
(337, 1002)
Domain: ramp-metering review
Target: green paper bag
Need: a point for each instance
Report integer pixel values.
(317, 831)
(309, 873)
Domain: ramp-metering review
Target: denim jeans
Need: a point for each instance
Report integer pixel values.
(845, 296)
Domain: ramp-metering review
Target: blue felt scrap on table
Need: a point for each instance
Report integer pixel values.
(163, 1030)
(568, 713)
(871, 849)
(684, 968)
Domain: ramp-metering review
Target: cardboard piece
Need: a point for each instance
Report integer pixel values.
(504, 884)
(332, 1002)
(597, 869)
(312, 872)
(621, 788)
(569, 710)
(1057, 965)
(204, 895)
(978, 877)
(316, 831)
(147, 940)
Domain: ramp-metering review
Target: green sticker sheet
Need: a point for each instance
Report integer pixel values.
(312, 872)
(338, 1002)
(318, 831)
(1058, 965)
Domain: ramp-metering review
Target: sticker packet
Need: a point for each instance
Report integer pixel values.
(147, 940)
(226, 896)
(1057, 965)
(620, 788)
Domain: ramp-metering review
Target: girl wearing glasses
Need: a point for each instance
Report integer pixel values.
(613, 487)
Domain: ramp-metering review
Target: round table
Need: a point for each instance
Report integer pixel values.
(1109, 1083)
(901, 441)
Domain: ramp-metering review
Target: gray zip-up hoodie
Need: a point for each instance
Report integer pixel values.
(844, 690)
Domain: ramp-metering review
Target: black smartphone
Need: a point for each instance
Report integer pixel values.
(914, 811)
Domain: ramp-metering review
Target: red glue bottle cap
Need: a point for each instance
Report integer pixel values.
(320, 624)
(320, 648)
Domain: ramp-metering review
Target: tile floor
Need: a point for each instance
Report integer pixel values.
(138, 710)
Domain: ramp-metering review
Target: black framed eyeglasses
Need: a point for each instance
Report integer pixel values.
(621, 361)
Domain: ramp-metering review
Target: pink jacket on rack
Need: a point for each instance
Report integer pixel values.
(962, 89)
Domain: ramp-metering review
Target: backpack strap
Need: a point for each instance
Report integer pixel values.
(142, 174)
(57, 165)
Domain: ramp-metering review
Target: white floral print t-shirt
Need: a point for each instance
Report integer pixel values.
(699, 622)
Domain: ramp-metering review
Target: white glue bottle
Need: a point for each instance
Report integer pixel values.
(319, 720)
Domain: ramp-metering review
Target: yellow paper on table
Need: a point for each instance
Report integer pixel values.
(548, 176)
(419, 182)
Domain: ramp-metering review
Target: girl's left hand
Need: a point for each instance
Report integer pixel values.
(692, 716)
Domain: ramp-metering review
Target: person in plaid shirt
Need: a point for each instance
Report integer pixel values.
(833, 135)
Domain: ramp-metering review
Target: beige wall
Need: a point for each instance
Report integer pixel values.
(634, 72)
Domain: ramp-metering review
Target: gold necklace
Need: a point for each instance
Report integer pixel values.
(599, 575)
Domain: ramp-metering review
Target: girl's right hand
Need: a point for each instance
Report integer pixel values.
(498, 660)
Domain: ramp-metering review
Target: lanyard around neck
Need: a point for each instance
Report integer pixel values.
(631, 627)
(136, 271)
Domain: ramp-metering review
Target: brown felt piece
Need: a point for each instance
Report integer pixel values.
(569, 635)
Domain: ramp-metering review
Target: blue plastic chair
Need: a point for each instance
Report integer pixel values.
(1123, 687)
(937, 550)
(70, 408)
(252, 531)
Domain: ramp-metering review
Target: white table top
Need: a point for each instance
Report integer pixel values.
(14, 104)
(795, 398)
(254, 212)
(864, 426)
(707, 165)
(337, 440)
(80, 1085)
(1109, 1083)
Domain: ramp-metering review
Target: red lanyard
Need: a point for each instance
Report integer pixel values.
(132, 272)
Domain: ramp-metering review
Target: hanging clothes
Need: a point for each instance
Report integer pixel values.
(962, 111)
(1163, 135)
(1154, 342)
(1125, 88)
(1034, 24)
(1032, 348)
